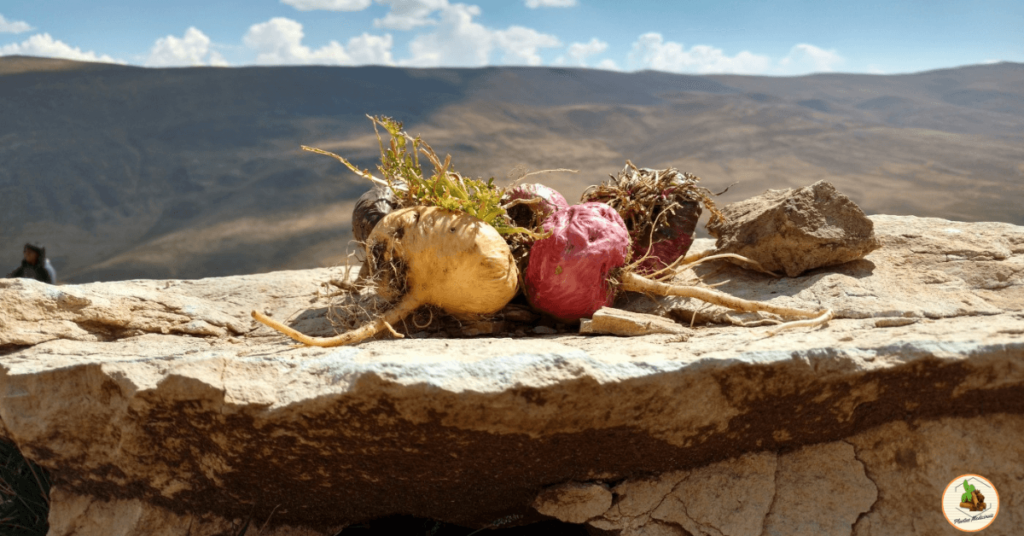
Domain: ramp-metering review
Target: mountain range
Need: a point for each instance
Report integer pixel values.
(127, 173)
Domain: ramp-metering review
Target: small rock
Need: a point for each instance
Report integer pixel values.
(518, 313)
(544, 330)
(893, 322)
(483, 328)
(613, 321)
(574, 502)
(793, 231)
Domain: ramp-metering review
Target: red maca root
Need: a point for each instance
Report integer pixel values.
(582, 265)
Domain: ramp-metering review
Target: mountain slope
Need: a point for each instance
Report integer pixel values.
(126, 172)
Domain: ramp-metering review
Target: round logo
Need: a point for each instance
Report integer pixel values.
(970, 503)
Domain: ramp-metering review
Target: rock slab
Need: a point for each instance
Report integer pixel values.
(918, 380)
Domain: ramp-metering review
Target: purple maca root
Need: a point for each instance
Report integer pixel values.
(528, 205)
(568, 275)
(582, 266)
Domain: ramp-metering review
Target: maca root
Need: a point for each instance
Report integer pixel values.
(429, 256)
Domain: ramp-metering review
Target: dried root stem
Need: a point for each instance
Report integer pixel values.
(633, 282)
(817, 321)
(704, 258)
(392, 316)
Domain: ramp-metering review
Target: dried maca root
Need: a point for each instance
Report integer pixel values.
(528, 205)
(370, 208)
(660, 209)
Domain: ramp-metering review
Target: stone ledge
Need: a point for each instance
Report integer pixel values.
(215, 424)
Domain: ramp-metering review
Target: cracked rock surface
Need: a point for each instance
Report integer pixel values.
(795, 230)
(150, 426)
(816, 490)
(887, 480)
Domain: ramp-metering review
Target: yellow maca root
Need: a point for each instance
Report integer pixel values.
(636, 283)
(429, 256)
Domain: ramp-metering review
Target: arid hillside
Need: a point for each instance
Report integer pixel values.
(127, 173)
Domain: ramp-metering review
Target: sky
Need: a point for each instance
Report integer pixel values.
(777, 38)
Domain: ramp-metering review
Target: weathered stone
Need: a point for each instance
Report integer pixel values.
(911, 463)
(887, 480)
(38, 313)
(726, 498)
(795, 230)
(214, 428)
(611, 321)
(820, 490)
(574, 502)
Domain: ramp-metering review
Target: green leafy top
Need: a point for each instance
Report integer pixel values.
(444, 187)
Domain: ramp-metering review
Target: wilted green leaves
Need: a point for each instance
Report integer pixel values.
(441, 187)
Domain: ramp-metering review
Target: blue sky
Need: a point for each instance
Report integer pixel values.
(747, 37)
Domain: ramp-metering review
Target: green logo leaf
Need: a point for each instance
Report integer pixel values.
(968, 490)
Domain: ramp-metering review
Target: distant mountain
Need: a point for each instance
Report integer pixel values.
(125, 172)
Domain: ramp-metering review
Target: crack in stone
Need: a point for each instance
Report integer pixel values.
(650, 512)
(878, 493)
(667, 495)
(775, 494)
(686, 512)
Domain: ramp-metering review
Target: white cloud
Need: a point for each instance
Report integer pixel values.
(328, 5)
(534, 4)
(13, 26)
(279, 41)
(804, 58)
(44, 45)
(457, 41)
(651, 51)
(369, 49)
(608, 65)
(578, 53)
(402, 15)
(520, 44)
(990, 62)
(191, 49)
(409, 14)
